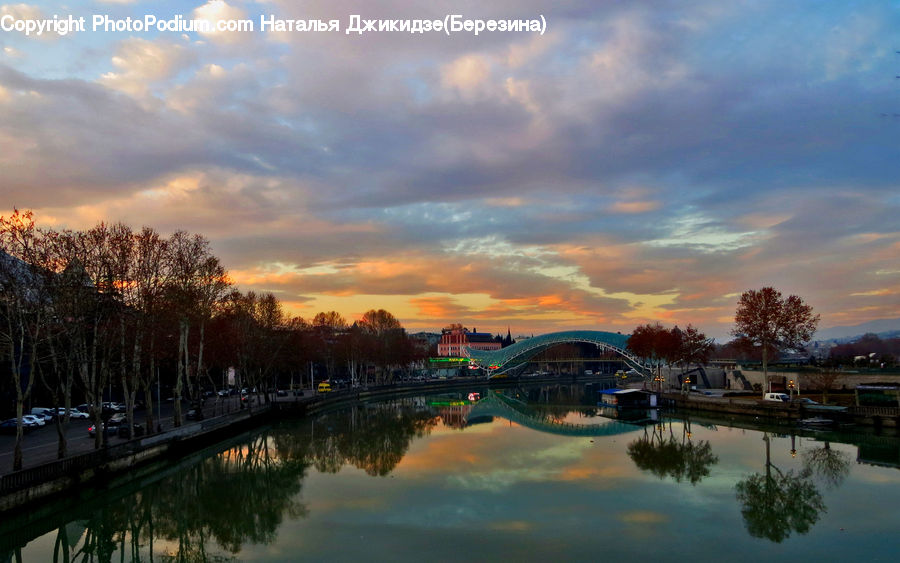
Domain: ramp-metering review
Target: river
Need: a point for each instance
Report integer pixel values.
(527, 474)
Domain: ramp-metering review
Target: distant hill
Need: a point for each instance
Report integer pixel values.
(884, 328)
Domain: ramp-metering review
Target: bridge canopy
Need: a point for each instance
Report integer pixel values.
(500, 361)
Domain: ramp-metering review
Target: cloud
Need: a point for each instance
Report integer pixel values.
(139, 63)
(215, 11)
(465, 74)
(632, 164)
(22, 11)
(634, 206)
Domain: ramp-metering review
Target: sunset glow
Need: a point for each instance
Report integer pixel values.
(633, 163)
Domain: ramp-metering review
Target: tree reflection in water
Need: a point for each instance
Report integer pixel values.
(668, 457)
(241, 495)
(775, 506)
(831, 466)
(373, 438)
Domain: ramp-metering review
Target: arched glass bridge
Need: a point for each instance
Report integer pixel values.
(495, 404)
(512, 358)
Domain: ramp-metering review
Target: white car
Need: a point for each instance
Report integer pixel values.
(73, 413)
(31, 420)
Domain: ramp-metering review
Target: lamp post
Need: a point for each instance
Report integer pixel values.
(158, 403)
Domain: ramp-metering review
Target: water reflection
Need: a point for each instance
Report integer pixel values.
(670, 457)
(374, 438)
(777, 503)
(240, 496)
(832, 466)
(223, 507)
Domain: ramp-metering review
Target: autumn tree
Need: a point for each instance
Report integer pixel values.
(655, 344)
(767, 320)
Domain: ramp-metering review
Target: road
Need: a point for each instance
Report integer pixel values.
(40, 444)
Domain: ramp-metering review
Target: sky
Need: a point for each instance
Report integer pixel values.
(636, 162)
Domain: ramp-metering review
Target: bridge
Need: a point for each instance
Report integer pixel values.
(505, 360)
(495, 404)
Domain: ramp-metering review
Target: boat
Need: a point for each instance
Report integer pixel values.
(817, 422)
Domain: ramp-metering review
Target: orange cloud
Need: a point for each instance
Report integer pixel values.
(643, 517)
(635, 206)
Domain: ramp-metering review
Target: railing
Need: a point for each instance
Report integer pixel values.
(71, 465)
(75, 464)
(875, 411)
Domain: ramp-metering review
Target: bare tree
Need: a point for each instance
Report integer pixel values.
(386, 336)
(326, 327)
(85, 306)
(150, 281)
(824, 380)
(695, 347)
(197, 281)
(23, 309)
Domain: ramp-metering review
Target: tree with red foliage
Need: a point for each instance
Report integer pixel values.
(766, 319)
(655, 344)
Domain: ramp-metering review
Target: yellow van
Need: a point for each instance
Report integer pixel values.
(324, 387)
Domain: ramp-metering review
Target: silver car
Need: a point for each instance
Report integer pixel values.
(73, 413)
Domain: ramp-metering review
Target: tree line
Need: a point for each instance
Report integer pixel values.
(765, 324)
(86, 311)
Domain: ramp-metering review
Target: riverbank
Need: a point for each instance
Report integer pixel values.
(878, 417)
(98, 468)
(128, 461)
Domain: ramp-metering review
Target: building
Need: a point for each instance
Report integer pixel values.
(453, 340)
(426, 340)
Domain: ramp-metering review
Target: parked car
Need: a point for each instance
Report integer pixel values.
(105, 409)
(778, 397)
(136, 429)
(73, 413)
(194, 414)
(44, 413)
(32, 420)
(92, 430)
(116, 419)
(806, 401)
(9, 425)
